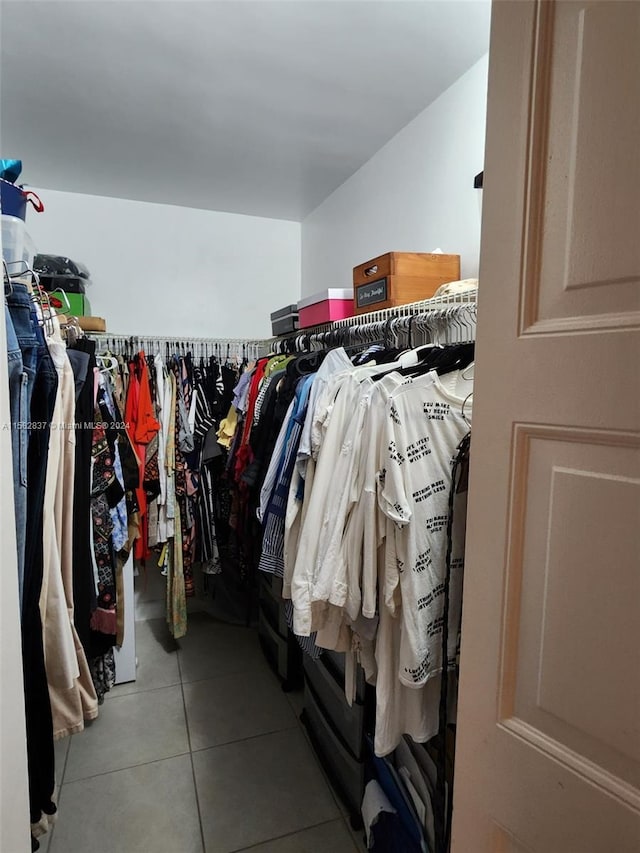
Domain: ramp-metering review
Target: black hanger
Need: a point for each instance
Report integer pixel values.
(444, 359)
(309, 362)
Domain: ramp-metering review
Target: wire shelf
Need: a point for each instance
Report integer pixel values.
(250, 348)
(446, 319)
(424, 306)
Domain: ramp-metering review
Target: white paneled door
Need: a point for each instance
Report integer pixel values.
(548, 757)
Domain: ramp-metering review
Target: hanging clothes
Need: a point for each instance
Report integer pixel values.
(354, 510)
(176, 593)
(40, 755)
(71, 691)
(83, 362)
(142, 426)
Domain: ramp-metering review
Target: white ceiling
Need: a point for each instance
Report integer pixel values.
(257, 107)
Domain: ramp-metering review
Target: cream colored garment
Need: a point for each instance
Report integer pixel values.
(451, 288)
(59, 649)
(71, 691)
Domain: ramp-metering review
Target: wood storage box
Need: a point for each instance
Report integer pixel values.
(400, 277)
(92, 324)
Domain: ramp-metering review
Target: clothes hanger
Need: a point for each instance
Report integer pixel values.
(413, 357)
(466, 369)
(108, 363)
(58, 292)
(464, 403)
(7, 278)
(454, 357)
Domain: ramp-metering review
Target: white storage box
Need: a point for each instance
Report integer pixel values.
(13, 239)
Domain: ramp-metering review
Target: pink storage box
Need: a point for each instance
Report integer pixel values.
(325, 307)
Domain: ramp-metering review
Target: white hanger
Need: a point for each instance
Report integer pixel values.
(108, 363)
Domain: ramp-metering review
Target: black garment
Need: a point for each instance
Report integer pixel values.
(114, 492)
(276, 411)
(443, 805)
(261, 438)
(229, 380)
(39, 725)
(84, 594)
(128, 461)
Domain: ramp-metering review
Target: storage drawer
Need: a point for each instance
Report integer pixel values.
(401, 277)
(273, 607)
(346, 772)
(282, 653)
(347, 721)
(275, 647)
(336, 664)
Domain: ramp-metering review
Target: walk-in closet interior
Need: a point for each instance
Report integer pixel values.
(265, 588)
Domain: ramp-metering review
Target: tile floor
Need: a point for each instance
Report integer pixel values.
(203, 753)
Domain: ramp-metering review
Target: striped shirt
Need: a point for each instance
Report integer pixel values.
(272, 558)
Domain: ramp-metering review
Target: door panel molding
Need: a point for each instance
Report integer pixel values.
(536, 160)
(561, 207)
(523, 434)
(587, 770)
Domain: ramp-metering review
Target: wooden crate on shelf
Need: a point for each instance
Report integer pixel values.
(92, 324)
(397, 278)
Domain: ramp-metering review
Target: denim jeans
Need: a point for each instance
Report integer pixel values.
(22, 346)
(17, 392)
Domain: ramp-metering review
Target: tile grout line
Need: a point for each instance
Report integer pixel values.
(286, 835)
(135, 692)
(243, 739)
(177, 683)
(128, 767)
(193, 769)
(66, 759)
(61, 783)
(220, 675)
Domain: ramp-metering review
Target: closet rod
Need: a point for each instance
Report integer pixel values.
(131, 336)
(245, 349)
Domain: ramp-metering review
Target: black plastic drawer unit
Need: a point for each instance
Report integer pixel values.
(336, 663)
(271, 601)
(347, 721)
(282, 653)
(344, 769)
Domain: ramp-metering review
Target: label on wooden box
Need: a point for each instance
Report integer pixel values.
(372, 293)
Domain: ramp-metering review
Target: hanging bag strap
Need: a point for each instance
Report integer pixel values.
(34, 199)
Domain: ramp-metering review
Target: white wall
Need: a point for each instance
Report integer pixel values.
(167, 270)
(415, 194)
(161, 269)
